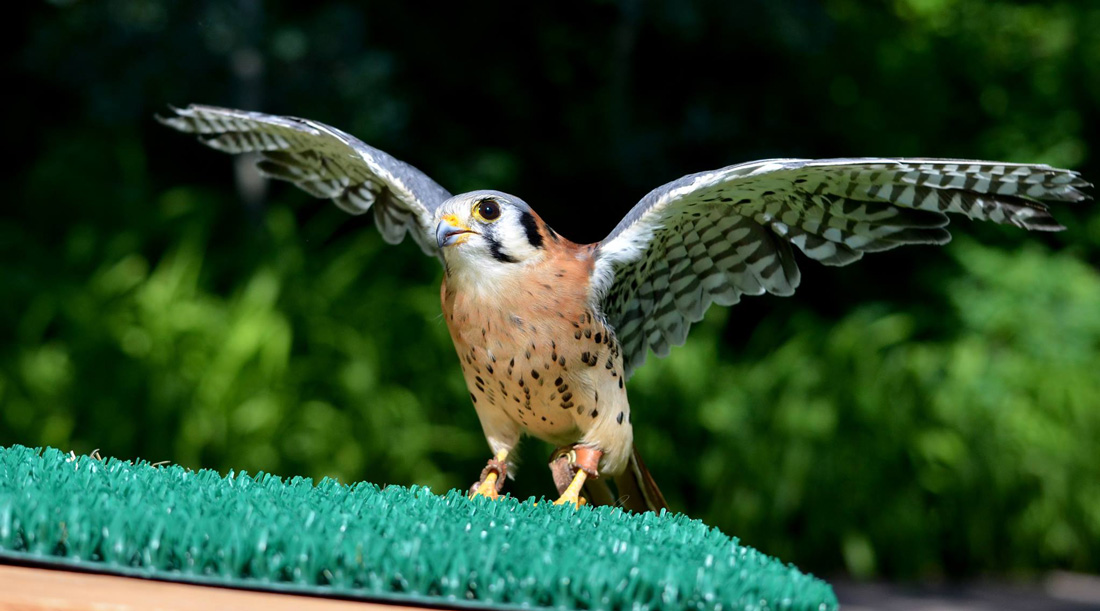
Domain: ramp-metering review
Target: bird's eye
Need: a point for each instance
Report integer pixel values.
(487, 209)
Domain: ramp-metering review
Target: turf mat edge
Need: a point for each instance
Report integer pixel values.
(398, 544)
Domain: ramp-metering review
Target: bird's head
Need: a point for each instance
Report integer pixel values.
(489, 232)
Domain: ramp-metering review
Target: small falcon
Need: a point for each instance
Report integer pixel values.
(548, 331)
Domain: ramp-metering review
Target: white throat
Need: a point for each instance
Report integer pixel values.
(488, 281)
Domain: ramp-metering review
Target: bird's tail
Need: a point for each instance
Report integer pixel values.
(636, 489)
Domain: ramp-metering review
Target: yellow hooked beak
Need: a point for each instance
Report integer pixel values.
(451, 231)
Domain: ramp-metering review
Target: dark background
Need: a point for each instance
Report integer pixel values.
(926, 413)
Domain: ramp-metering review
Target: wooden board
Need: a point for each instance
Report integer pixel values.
(33, 589)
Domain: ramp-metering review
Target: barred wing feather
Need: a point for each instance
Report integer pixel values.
(715, 236)
(326, 163)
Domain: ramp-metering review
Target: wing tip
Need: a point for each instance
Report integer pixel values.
(1075, 194)
(176, 120)
(1045, 224)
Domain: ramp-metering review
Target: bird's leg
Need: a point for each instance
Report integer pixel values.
(492, 477)
(571, 467)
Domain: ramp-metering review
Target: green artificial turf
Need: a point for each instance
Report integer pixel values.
(402, 544)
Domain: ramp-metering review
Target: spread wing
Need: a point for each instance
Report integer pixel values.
(326, 163)
(714, 236)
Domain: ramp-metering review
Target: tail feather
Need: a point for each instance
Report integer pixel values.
(635, 486)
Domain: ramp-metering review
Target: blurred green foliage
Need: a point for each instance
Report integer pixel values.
(924, 412)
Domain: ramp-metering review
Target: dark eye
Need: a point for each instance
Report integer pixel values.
(488, 210)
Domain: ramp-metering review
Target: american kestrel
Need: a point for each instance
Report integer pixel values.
(548, 331)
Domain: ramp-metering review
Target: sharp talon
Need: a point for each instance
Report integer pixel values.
(492, 477)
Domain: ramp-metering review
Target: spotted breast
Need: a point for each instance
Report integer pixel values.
(539, 360)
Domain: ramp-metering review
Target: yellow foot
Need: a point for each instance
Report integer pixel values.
(572, 494)
(486, 488)
(492, 477)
